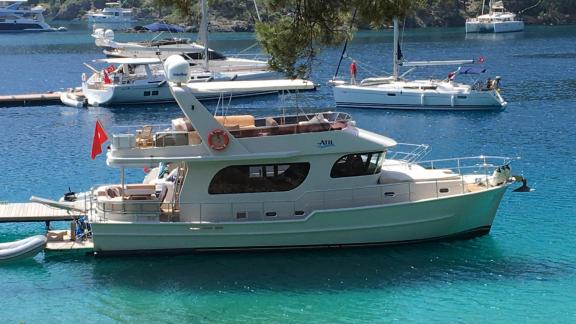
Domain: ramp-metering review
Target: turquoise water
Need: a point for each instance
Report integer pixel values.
(523, 271)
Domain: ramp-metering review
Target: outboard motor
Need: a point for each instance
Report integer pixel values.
(70, 195)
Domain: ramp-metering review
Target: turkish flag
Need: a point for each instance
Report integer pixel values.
(99, 138)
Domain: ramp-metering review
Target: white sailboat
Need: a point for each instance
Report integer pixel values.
(395, 92)
(129, 81)
(497, 20)
(290, 181)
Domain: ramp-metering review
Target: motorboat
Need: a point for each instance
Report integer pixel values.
(112, 13)
(129, 81)
(397, 92)
(22, 249)
(299, 180)
(14, 17)
(497, 20)
(196, 52)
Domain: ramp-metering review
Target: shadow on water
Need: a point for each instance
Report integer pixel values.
(321, 270)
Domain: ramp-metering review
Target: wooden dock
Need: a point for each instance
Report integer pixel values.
(34, 212)
(32, 99)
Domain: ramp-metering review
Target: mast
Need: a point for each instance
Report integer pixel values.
(395, 60)
(203, 34)
(483, 3)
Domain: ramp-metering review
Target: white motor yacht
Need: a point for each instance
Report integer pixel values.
(290, 181)
(497, 20)
(16, 18)
(129, 81)
(112, 13)
(396, 92)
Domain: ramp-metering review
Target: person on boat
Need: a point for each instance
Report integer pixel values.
(489, 84)
(353, 71)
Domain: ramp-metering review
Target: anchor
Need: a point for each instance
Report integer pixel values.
(524, 187)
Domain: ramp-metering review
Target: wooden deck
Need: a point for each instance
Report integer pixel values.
(33, 212)
(60, 241)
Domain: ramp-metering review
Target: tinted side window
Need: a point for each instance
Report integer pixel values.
(359, 164)
(258, 178)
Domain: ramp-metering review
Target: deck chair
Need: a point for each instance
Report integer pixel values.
(144, 137)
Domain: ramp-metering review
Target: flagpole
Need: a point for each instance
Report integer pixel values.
(122, 181)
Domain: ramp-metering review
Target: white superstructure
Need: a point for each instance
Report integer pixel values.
(497, 20)
(306, 180)
(396, 92)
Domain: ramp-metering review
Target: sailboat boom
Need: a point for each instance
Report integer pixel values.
(434, 63)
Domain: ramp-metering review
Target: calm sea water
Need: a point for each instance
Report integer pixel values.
(524, 271)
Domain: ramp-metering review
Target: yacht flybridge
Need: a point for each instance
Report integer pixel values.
(497, 20)
(307, 180)
(16, 18)
(396, 92)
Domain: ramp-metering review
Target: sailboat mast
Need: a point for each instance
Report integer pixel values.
(204, 34)
(395, 61)
(483, 3)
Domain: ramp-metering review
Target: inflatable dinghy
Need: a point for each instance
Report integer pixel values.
(21, 249)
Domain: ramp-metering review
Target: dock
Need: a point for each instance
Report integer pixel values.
(33, 99)
(34, 212)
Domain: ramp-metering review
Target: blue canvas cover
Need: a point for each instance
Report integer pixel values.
(156, 27)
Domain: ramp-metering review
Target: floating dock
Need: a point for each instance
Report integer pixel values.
(32, 99)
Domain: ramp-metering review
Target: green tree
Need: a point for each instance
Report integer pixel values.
(294, 37)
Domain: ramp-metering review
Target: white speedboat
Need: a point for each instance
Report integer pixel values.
(112, 13)
(16, 18)
(290, 181)
(396, 92)
(128, 81)
(497, 20)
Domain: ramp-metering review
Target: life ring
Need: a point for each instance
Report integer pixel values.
(218, 139)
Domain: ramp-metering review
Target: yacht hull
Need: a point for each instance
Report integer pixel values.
(373, 97)
(494, 27)
(465, 215)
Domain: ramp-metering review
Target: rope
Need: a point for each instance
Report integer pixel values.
(537, 4)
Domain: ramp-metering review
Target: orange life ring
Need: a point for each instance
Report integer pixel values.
(218, 139)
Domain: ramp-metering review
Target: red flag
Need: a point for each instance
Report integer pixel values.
(100, 138)
(111, 68)
(481, 60)
(106, 78)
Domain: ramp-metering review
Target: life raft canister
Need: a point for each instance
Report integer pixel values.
(218, 139)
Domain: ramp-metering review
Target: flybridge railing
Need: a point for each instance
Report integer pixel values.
(482, 164)
(408, 153)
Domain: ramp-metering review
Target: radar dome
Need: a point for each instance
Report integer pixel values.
(109, 34)
(177, 69)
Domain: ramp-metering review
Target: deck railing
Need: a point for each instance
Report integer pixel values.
(479, 171)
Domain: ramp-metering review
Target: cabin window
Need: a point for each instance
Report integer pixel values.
(258, 178)
(146, 93)
(155, 92)
(359, 164)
